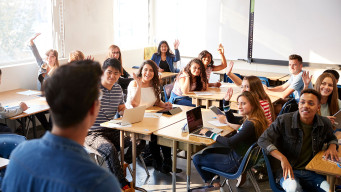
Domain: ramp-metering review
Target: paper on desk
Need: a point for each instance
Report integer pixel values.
(202, 93)
(217, 123)
(153, 115)
(29, 92)
(114, 123)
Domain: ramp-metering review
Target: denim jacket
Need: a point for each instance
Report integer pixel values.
(170, 60)
(285, 135)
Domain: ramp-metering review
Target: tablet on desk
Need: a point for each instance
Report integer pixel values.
(172, 111)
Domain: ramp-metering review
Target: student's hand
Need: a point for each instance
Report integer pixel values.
(176, 43)
(23, 106)
(138, 80)
(217, 84)
(229, 68)
(331, 152)
(203, 131)
(33, 38)
(222, 119)
(306, 78)
(90, 57)
(221, 49)
(332, 119)
(287, 169)
(228, 94)
(161, 70)
(168, 105)
(185, 74)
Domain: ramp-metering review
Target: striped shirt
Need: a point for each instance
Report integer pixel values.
(266, 108)
(110, 101)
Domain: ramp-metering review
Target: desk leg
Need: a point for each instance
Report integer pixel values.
(34, 126)
(221, 77)
(175, 146)
(331, 181)
(197, 103)
(122, 148)
(133, 138)
(207, 104)
(188, 171)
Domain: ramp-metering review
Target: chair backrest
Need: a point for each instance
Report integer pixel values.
(167, 89)
(289, 106)
(229, 80)
(264, 80)
(274, 186)
(8, 142)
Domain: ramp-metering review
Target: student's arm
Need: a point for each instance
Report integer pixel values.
(12, 111)
(285, 89)
(121, 109)
(136, 97)
(233, 77)
(184, 83)
(176, 50)
(166, 105)
(223, 59)
(35, 50)
(286, 167)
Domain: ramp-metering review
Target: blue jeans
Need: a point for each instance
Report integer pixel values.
(180, 100)
(222, 159)
(305, 181)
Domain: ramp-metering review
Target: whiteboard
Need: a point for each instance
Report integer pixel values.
(310, 28)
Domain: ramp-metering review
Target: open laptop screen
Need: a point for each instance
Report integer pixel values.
(194, 119)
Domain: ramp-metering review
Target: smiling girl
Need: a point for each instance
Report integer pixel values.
(249, 127)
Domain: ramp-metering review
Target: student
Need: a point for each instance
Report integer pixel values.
(114, 52)
(46, 68)
(207, 59)
(76, 56)
(295, 83)
(58, 161)
(295, 138)
(106, 140)
(326, 86)
(145, 89)
(164, 58)
(249, 127)
(191, 78)
(253, 84)
(10, 112)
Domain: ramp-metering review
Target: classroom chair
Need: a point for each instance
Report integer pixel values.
(167, 90)
(274, 186)
(229, 80)
(339, 90)
(8, 142)
(264, 80)
(249, 159)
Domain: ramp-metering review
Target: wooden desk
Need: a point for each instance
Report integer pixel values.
(323, 167)
(217, 95)
(244, 72)
(144, 130)
(3, 163)
(172, 136)
(165, 77)
(35, 103)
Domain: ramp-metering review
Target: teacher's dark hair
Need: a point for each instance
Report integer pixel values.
(72, 90)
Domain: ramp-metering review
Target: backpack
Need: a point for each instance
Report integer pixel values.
(289, 106)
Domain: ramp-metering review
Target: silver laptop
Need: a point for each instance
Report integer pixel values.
(195, 123)
(133, 115)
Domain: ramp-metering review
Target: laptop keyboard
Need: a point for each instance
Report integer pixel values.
(198, 130)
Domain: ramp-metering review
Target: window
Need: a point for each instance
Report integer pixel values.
(131, 23)
(20, 20)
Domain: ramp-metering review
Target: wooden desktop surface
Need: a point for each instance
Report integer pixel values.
(174, 132)
(35, 102)
(245, 72)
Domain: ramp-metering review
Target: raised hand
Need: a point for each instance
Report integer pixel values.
(306, 78)
(138, 80)
(34, 37)
(229, 68)
(90, 57)
(228, 94)
(176, 43)
(221, 49)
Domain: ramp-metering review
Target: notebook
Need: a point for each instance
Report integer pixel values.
(195, 123)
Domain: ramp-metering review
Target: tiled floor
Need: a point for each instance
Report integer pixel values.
(159, 182)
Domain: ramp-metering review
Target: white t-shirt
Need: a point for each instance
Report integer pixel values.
(148, 97)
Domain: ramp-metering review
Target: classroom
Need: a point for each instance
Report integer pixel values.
(165, 68)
